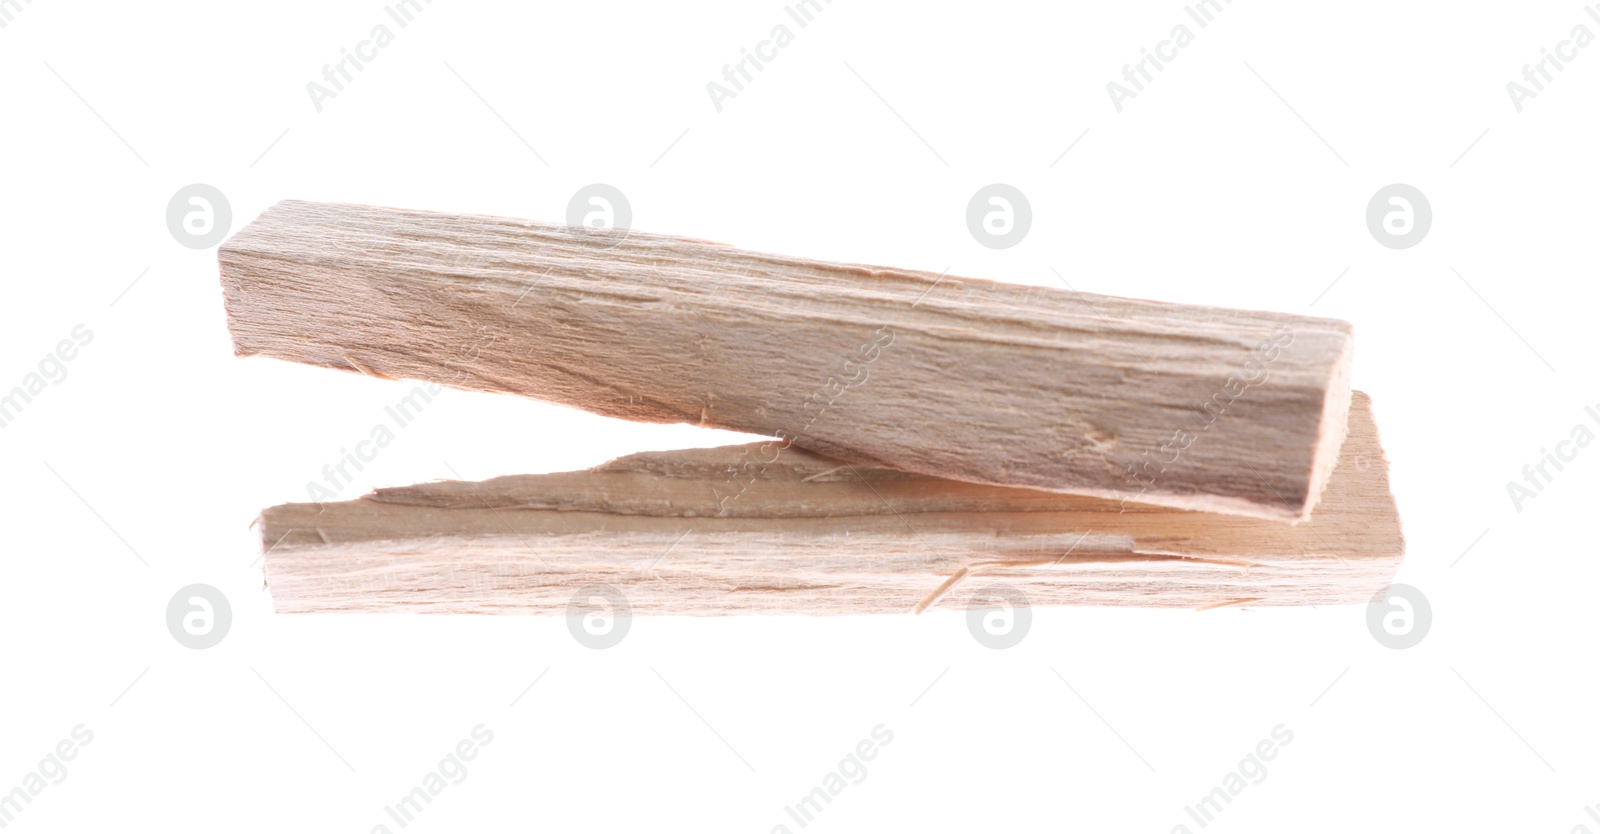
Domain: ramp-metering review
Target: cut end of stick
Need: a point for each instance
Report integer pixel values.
(1333, 426)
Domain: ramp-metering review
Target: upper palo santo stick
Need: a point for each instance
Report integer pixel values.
(1176, 405)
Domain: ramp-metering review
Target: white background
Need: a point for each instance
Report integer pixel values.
(160, 447)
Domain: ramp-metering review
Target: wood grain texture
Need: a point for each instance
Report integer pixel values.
(815, 535)
(957, 378)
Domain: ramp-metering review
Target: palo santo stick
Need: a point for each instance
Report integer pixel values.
(1174, 405)
(814, 535)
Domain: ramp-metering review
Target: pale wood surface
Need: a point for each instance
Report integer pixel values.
(813, 535)
(984, 382)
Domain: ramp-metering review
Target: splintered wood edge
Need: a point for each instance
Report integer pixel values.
(817, 536)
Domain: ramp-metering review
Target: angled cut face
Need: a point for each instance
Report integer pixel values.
(759, 529)
(1173, 405)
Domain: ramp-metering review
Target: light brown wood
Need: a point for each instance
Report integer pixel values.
(1173, 405)
(814, 535)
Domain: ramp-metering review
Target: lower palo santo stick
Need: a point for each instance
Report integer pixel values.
(814, 535)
